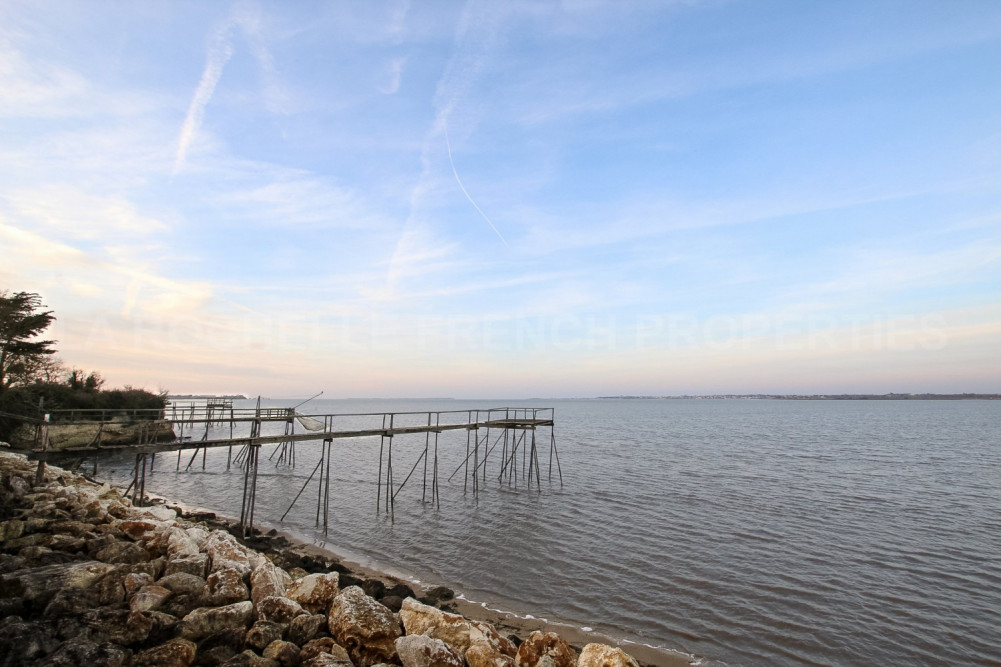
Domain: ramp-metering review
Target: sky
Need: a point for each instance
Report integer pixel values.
(517, 199)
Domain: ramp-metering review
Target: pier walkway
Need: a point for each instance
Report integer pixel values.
(217, 424)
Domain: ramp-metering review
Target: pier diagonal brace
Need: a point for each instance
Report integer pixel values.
(323, 494)
(138, 485)
(249, 489)
(553, 451)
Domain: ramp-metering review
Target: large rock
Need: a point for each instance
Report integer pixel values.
(226, 553)
(182, 604)
(111, 586)
(74, 528)
(206, 621)
(304, 628)
(180, 544)
(149, 598)
(600, 655)
(263, 633)
(71, 602)
(124, 580)
(540, 644)
(134, 581)
(438, 594)
(32, 540)
(119, 510)
(364, 627)
(174, 653)
(424, 651)
(250, 659)
(279, 609)
(225, 587)
(217, 655)
(137, 528)
(454, 630)
(164, 625)
(284, 653)
(481, 655)
(223, 645)
(328, 660)
(76, 652)
(18, 486)
(95, 544)
(394, 602)
(315, 592)
(268, 580)
(123, 552)
(196, 564)
(169, 539)
(121, 626)
(39, 584)
(325, 646)
(184, 583)
(155, 512)
(66, 543)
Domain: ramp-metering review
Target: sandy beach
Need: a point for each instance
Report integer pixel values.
(86, 578)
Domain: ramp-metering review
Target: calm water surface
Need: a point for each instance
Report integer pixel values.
(745, 532)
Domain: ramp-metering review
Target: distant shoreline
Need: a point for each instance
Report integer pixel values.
(827, 397)
(763, 397)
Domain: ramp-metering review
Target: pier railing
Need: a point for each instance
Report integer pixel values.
(506, 437)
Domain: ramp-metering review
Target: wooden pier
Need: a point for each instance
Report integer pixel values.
(514, 430)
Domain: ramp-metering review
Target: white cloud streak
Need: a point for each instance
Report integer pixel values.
(73, 213)
(451, 162)
(220, 51)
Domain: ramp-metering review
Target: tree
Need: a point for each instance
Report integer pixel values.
(77, 380)
(21, 322)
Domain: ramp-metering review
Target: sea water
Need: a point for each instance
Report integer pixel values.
(742, 531)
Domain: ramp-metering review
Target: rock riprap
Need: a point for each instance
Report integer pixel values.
(88, 579)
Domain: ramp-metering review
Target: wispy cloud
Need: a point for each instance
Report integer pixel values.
(220, 50)
(287, 198)
(73, 213)
(251, 21)
(874, 272)
(398, 19)
(33, 88)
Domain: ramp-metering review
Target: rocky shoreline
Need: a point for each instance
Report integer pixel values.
(88, 579)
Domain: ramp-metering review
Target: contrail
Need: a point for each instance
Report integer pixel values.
(463, 188)
(219, 54)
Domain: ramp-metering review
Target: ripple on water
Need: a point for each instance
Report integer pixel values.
(794, 532)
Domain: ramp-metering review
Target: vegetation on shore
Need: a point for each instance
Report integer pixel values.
(33, 381)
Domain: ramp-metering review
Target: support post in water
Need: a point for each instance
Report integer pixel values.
(249, 489)
(328, 444)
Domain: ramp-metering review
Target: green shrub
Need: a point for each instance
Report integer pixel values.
(67, 403)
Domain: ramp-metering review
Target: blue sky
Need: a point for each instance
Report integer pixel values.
(509, 199)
